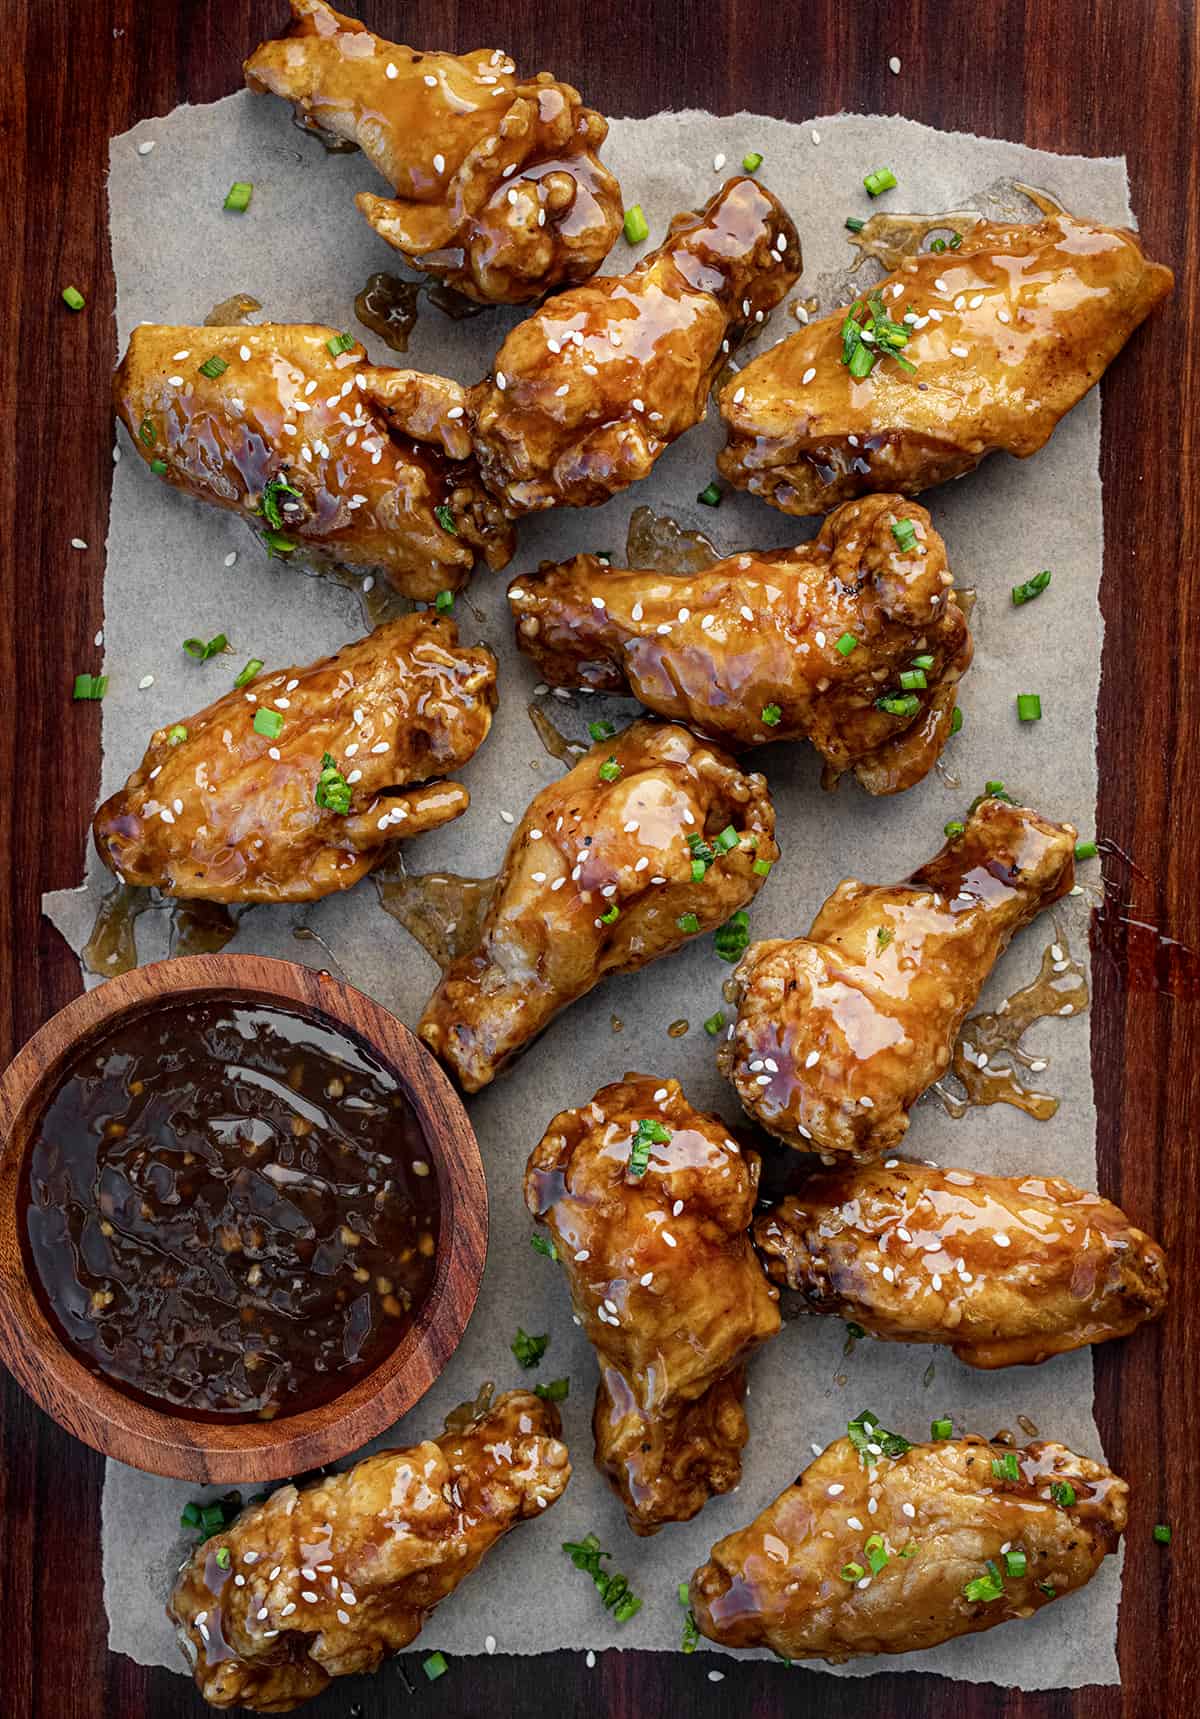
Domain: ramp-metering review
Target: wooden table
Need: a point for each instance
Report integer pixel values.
(1101, 77)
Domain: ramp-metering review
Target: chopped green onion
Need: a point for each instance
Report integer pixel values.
(177, 735)
(727, 840)
(613, 1589)
(871, 1440)
(752, 162)
(690, 1639)
(1015, 1564)
(601, 730)
(637, 227)
(1162, 1533)
(278, 543)
(444, 602)
(1029, 707)
(905, 533)
(269, 505)
(1048, 1589)
(954, 828)
(877, 1553)
(333, 790)
(846, 644)
(956, 721)
(938, 246)
(1030, 589)
(688, 924)
(147, 434)
(854, 224)
(237, 198)
(710, 495)
(714, 1023)
(909, 1551)
(878, 181)
(445, 518)
(211, 1518)
(956, 241)
(252, 668)
(158, 467)
(852, 1572)
(854, 1329)
(1063, 1493)
(90, 686)
(762, 867)
(268, 723)
(200, 651)
(647, 1133)
(995, 790)
(611, 916)
(942, 1429)
(701, 852)
(338, 344)
(989, 1587)
(923, 662)
(884, 935)
(685, 1594)
(732, 937)
(434, 1666)
(610, 770)
(213, 367)
(73, 298)
(862, 362)
(899, 704)
(224, 1557)
(529, 1350)
(1086, 850)
(191, 1515)
(913, 679)
(698, 870)
(1005, 1467)
(557, 1391)
(543, 1244)
(771, 714)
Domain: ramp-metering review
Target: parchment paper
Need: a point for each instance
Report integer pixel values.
(303, 251)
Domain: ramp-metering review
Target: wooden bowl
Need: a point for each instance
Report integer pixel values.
(167, 1442)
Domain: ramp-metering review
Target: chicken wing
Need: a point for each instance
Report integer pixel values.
(649, 1203)
(284, 424)
(1004, 335)
(587, 392)
(328, 1581)
(905, 1546)
(295, 786)
(840, 1032)
(1003, 1269)
(500, 191)
(603, 875)
(788, 644)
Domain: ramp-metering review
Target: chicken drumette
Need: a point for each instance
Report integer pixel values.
(285, 424)
(1006, 334)
(500, 191)
(328, 1581)
(790, 644)
(652, 838)
(649, 1203)
(885, 1547)
(294, 786)
(840, 1032)
(1003, 1269)
(587, 392)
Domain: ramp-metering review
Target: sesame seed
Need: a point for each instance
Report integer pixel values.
(908, 1509)
(381, 746)
(894, 66)
(816, 137)
(501, 380)
(145, 148)
(646, 1279)
(78, 543)
(808, 375)
(812, 1059)
(739, 396)
(940, 284)
(669, 1238)
(146, 680)
(716, 1677)
(837, 1488)
(959, 351)
(439, 163)
(718, 163)
(1003, 316)
(273, 752)
(936, 1280)
(288, 1609)
(1001, 1239)
(391, 71)
(506, 817)
(431, 80)
(590, 1660)
(853, 1522)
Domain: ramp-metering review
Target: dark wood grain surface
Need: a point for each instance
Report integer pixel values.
(1096, 76)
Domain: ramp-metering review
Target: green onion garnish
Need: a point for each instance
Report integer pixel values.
(771, 714)
(1048, 1589)
(90, 686)
(269, 505)
(899, 704)
(268, 723)
(1029, 707)
(752, 162)
(846, 644)
(854, 1330)
(444, 602)
(714, 1023)
(1063, 1493)
(213, 367)
(147, 434)
(989, 1587)
(762, 867)
(613, 1589)
(211, 1518)
(956, 721)
(237, 198)
(1005, 1467)
(905, 533)
(637, 227)
(610, 770)
(854, 224)
(698, 870)
(224, 1557)
(434, 1666)
(872, 1441)
(884, 935)
(338, 344)
(688, 924)
(647, 1133)
(176, 735)
(1162, 1533)
(878, 181)
(956, 241)
(701, 851)
(200, 651)
(938, 246)
(690, 1640)
(913, 680)
(710, 495)
(601, 730)
(278, 543)
(611, 915)
(529, 1350)
(939, 1430)
(727, 840)
(954, 828)
(923, 662)
(1030, 589)
(158, 467)
(253, 667)
(887, 338)
(1014, 1564)
(1086, 850)
(543, 1244)
(852, 1572)
(995, 790)
(445, 518)
(333, 790)
(73, 298)
(877, 1553)
(731, 938)
(557, 1391)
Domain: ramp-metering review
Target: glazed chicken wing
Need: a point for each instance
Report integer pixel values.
(790, 644)
(587, 392)
(601, 876)
(285, 424)
(906, 1546)
(500, 191)
(840, 1032)
(1005, 335)
(649, 1203)
(328, 1581)
(1003, 1269)
(224, 810)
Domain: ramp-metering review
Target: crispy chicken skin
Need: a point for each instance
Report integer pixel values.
(229, 814)
(840, 1032)
(669, 1421)
(1003, 1269)
(500, 191)
(747, 651)
(328, 1581)
(1010, 332)
(595, 880)
(370, 456)
(779, 1583)
(586, 393)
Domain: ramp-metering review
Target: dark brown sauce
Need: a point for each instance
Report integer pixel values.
(231, 311)
(461, 1415)
(388, 306)
(804, 309)
(888, 238)
(988, 1058)
(231, 1209)
(444, 912)
(552, 738)
(660, 544)
(678, 1029)
(380, 601)
(197, 928)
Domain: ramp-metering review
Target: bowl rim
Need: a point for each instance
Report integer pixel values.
(163, 1442)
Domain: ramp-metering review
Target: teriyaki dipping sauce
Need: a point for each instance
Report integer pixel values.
(230, 1209)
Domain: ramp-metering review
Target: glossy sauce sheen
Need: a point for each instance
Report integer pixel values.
(231, 1210)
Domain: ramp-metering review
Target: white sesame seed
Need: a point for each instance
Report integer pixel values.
(816, 137)
(808, 376)
(718, 163)
(739, 396)
(590, 1660)
(506, 817)
(381, 746)
(716, 1677)
(959, 351)
(431, 80)
(908, 1509)
(145, 148)
(812, 1059)
(853, 1522)
(1000, 1239)
(668, 1238)
(273, 752)
(894, 65)
(836, 1490)
(146, 680)
(501, 380)
(288, 1609)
